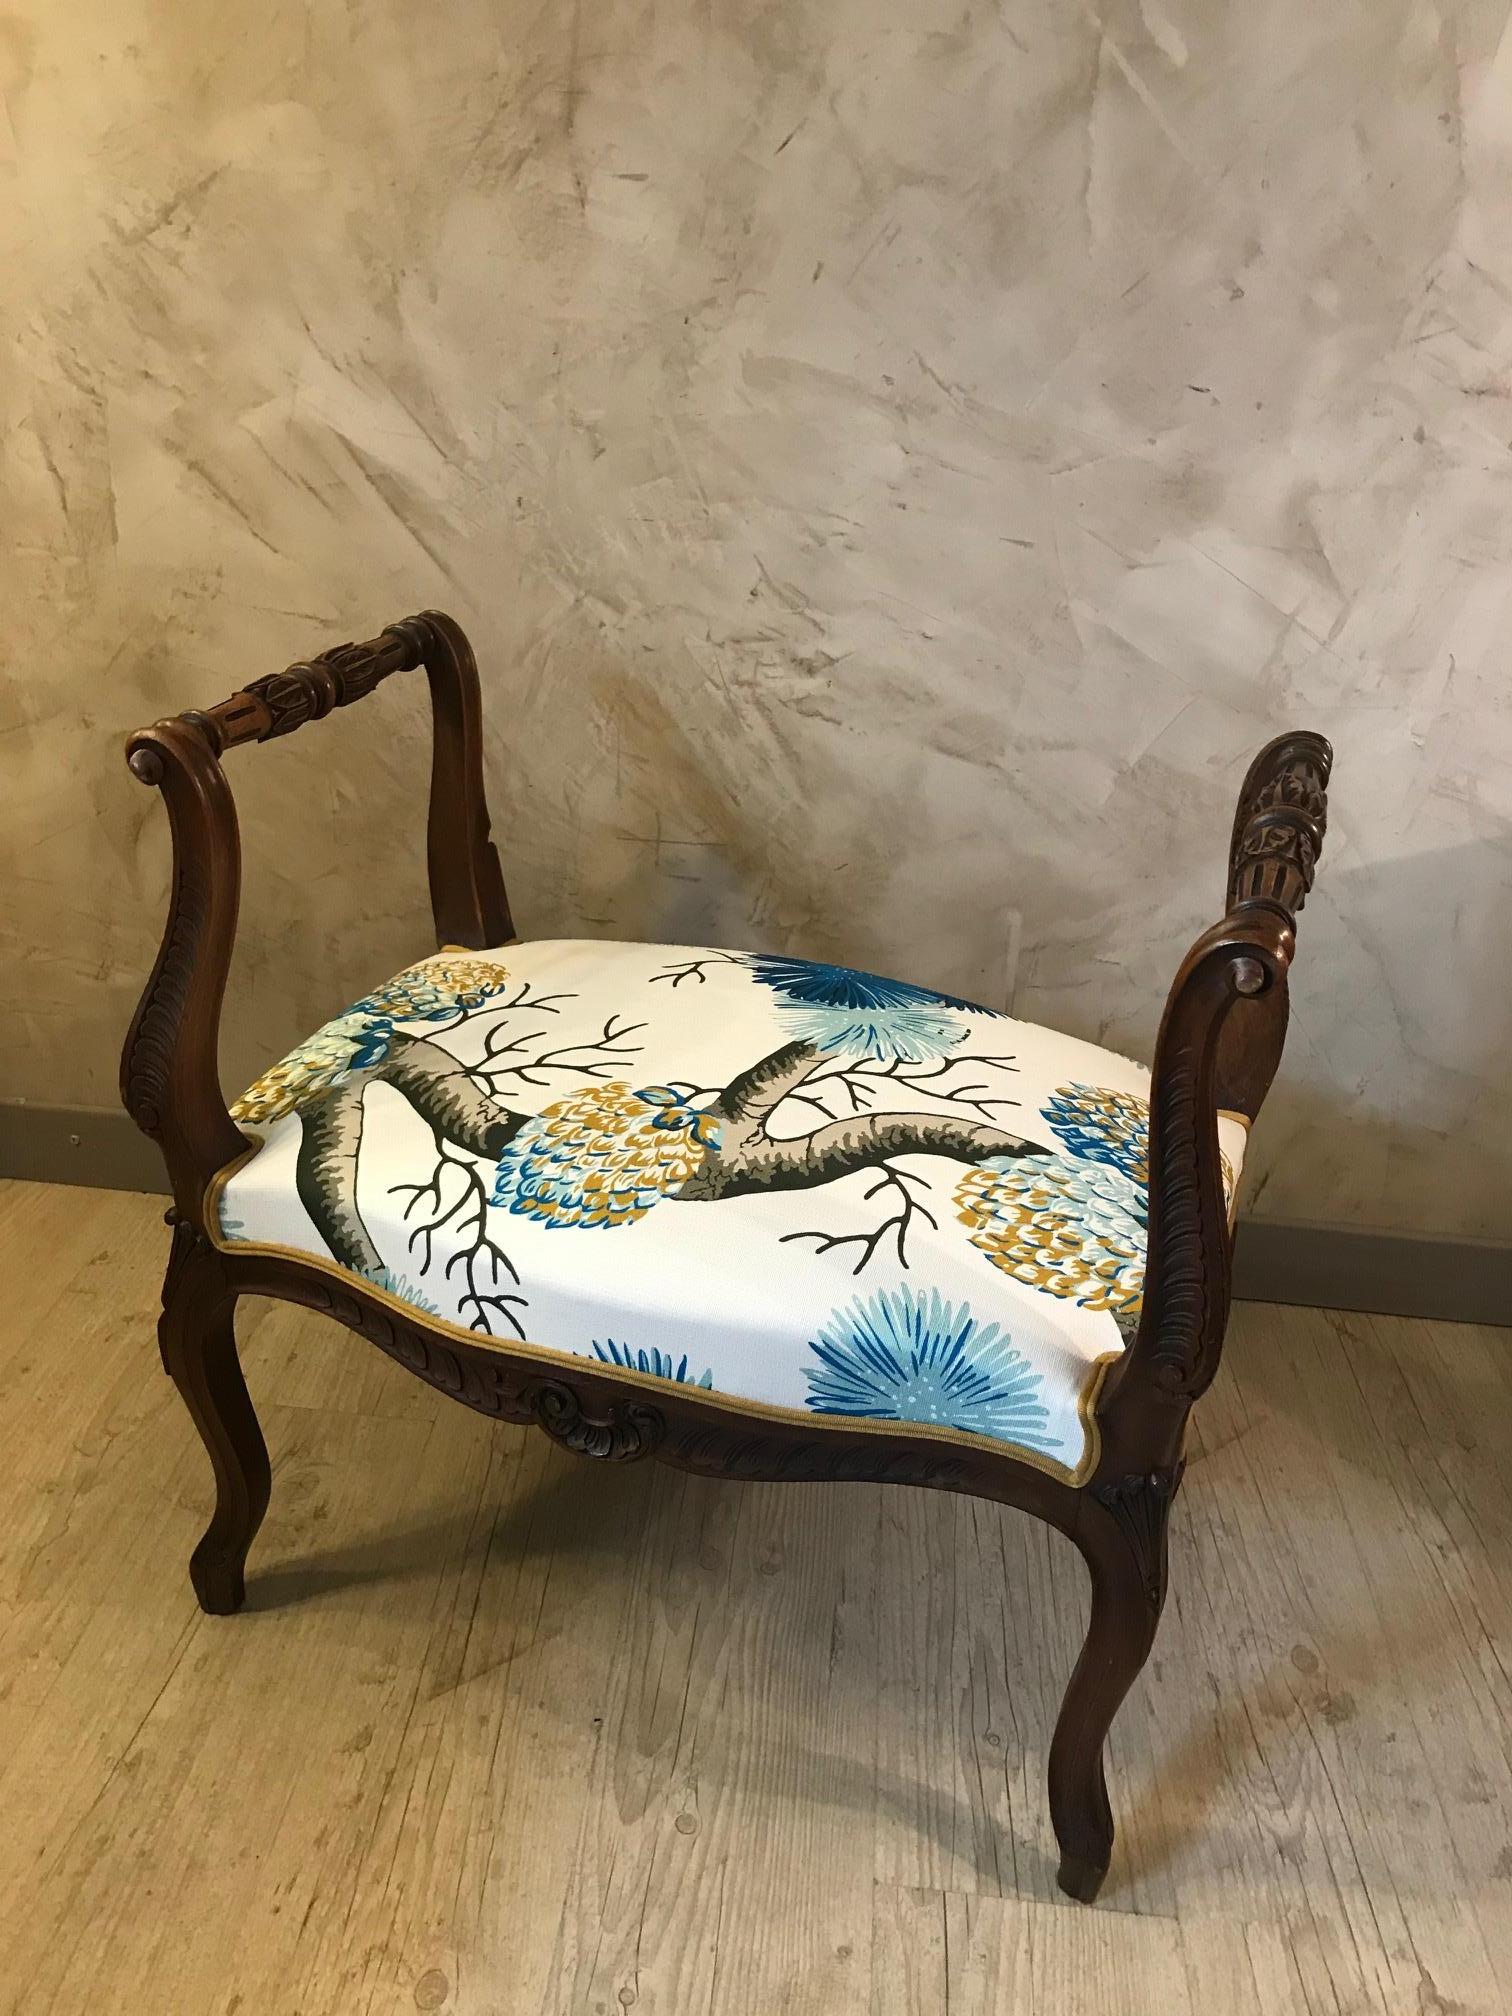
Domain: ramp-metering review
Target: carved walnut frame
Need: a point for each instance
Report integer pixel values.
(1219, 1044)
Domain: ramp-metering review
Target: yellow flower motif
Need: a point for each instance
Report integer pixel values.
(604, 1156)
(430, 991)
(443, 981)
(1070, 1229)
(308, 1071)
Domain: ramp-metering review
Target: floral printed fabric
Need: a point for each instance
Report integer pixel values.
(780, 1181)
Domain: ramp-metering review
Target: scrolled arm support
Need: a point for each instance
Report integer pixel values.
(170, 1066)
(1186, 1292)
(170, 1082)
(1219, 1044)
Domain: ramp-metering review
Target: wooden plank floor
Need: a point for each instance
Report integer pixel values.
(502, 1732)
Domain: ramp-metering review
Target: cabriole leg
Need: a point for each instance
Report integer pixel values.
(1122, 1538)
(198, 1343)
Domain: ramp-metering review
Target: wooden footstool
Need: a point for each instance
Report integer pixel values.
(757, 1216)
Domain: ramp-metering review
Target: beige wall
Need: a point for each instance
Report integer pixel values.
(897, 462)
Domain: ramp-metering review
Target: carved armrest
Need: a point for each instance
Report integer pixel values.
(283, 701)
(1219, 1044)
(170, 1077)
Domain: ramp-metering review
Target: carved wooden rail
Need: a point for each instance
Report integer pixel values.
(283, 701)
(170, 1073)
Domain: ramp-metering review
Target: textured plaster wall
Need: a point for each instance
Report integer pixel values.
(896, 461)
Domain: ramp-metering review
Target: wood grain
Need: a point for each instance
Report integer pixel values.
(501, 1732)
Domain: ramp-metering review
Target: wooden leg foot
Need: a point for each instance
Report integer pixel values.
(199, 1351)
(1125, 1553)
(219, 1579)
(1081, 1880)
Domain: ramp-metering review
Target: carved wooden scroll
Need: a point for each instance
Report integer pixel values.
(1280, 823)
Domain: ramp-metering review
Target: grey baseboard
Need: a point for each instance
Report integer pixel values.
(77, 1144)
(1317, 1266)
(1384, 1273)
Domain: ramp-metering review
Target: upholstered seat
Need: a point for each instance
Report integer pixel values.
(803, 1188)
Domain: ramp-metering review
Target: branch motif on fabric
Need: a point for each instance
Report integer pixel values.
(608, 1153)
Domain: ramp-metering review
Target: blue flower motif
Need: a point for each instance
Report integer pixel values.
(891, 1035)
(403, 1289)
(907, 1355)
(374, 1037)
(1100, 1125)
(437, 990)
(1074, 1229)
(842, 1009)
(660, 1364)
(823, 986)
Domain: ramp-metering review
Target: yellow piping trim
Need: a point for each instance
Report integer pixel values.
(763, 1409)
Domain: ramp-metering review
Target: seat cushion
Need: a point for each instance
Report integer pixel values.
(802, 1188)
